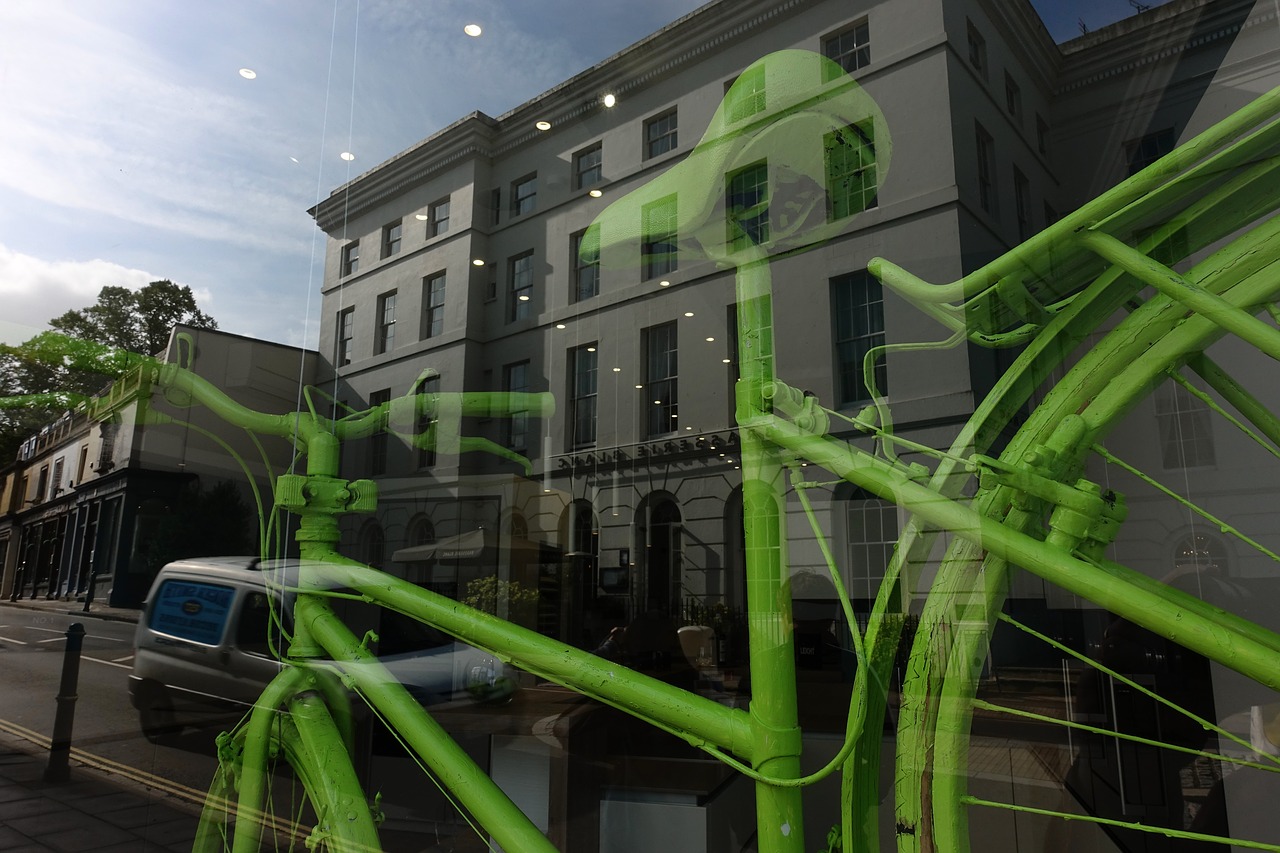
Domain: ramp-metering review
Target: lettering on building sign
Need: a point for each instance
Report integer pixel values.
(672, 449)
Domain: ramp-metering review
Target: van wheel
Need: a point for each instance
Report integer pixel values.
(156, 716)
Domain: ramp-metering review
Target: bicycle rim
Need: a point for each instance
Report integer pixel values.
(311, 798)
(951, 646)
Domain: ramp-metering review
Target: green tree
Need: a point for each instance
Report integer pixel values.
(90, 347)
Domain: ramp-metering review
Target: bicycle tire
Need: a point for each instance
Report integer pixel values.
(951, 644)
(303, 749)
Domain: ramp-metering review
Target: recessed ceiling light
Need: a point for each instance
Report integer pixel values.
(594, 193)
(664, 283)
(477, 263)
(542, 125)
(610, 100)
(421, 217)
(347, 155)
(295, 159)
(248, 73)
(617, 370)
(675, 416)
(710, 340)
(524, 298)
(591, 349)
(639, 386)
(655, 402)
(688, 428)
(688, 313)
(559, 325)
(725, 360)
(472, 30)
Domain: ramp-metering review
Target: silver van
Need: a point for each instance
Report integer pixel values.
(203, 644)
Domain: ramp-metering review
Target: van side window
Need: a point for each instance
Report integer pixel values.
(254, 626)
(192, 610)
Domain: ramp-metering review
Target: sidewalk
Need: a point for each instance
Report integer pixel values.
(93, 811)
(97, 610)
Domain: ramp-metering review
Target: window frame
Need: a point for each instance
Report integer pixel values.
(749, 94)
(392, 238)
(517, 308)
(385, 338)
(860, 52)
(861, 292)
(583, 395)
(661, 379)
(858, 172)
(351, 258)
(594, 173)
(436, 223)
(433, 309)
(345, 336)
(1022, 204)
(524, 194)
(667, 139)
(580, 268)
(1012, 97)
(426, 456)
(985, 161)
(515, 427)
(657, 263)
(977, 52)
(378, 443)
(742, 191)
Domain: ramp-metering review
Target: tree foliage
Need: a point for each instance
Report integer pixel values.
(89, 348)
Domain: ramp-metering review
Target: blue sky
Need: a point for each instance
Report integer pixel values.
(132, 149)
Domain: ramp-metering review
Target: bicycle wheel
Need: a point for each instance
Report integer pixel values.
(285, 781)
(1059, 443)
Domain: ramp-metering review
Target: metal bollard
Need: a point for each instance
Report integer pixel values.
(59, 769)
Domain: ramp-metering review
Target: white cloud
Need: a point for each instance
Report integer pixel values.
(34, 291)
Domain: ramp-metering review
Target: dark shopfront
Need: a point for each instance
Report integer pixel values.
(84, 545)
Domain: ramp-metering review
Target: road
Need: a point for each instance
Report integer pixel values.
(106, 725)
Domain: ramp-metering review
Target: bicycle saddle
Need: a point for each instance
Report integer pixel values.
(809, 105)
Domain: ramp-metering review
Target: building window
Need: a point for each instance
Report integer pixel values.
(346, 334)
(658, 223)
(427, 455)
(857, 311)
(986, 157)
(524, 194)
(588, 167)
(1042, 135)
(586, 265)
(378, 441)
(495, 205)
(351, 258)
(373, 545)
(438, 218)
(661, 372)
(871, 534)
(1145, 150)
(849, 48)
(1012, 96)
(747, 206)
(433, 305)
(42, 484)
(660, 134)
(746, 95)
(1022, 203)
(386, 323)
(582, 395)
(391, 238)
(82, 467)
(520, 294)
(850, 160)
(515, 380)
(977, 51)
(1186, 433)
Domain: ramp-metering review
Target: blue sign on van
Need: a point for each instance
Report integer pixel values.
(192, 610)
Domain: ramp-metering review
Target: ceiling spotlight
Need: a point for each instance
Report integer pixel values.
(248, 73)
(524, 298)
(542, 125)
(639, 386)
(421, 217)
(655, 402)
(664, 283)
(610, 100)
(710, 340)
(559, 325)
(725, 361)
(477, 263)
(472, 30)
(617, 370)
(688, 313)
(591, 349)
(594, 193)
(347, 155)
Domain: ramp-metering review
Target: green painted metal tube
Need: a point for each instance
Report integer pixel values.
(456, 770)
(1234, 393)
(700, 720)
(1241, 645)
